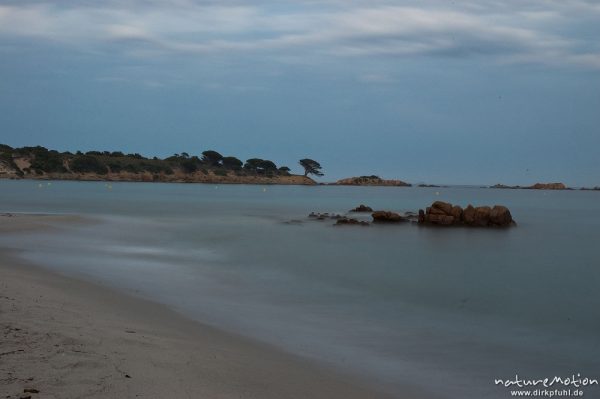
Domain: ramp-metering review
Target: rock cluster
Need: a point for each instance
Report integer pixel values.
(386, 217)
(445, 214)
(536, 186)
(370, 181)
(362, 208)
(548, 186)
(350, 221)
(325, 215)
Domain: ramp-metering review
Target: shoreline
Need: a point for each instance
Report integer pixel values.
(263, 181)
(70, 338)
(292, 180)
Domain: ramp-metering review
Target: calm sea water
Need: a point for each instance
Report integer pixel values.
(443, 310)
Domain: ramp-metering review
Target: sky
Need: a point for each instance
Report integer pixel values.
(450, 92)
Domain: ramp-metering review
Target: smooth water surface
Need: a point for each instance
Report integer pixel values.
(442, 310)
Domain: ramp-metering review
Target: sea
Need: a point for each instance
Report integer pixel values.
(442, 311)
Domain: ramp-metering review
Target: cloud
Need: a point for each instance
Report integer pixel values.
(536, 31)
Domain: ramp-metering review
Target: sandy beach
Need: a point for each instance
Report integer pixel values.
(65, 338)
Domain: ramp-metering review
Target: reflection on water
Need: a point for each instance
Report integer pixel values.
(448, 310)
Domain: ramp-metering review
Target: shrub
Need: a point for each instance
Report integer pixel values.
(115, 167)
(189, 165)
(47, 161)
(132, 168)
(88, 164)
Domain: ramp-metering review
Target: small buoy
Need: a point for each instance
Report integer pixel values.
(49, 183)
(437, 193)
(264, 189)
(40, 185)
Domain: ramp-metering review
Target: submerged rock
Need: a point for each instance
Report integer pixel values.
(324, 216)
(350, 221)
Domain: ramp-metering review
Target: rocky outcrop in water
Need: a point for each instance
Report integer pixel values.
(536, 186)
(324, 216)
(386, 217)
(370, 181)
(445, 214)
(362, 208)
(344, 221)
(548, 186)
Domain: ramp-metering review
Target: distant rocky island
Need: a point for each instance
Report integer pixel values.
(370, 181)
(536, 186)
(211, 167)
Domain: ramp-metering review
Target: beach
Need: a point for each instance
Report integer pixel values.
(72, 339)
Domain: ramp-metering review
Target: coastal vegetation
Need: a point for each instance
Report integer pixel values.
(370, 181)
(208, 166)
(311, 167)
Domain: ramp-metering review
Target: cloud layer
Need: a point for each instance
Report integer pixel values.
(560, 33)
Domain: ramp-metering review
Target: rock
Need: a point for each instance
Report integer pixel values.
(445, 214)
(548, 186)
(468, 215)
(350, 221)
(386, 217)
(30, 390)
(456, 212)
(293, 222)
(445, 207)
(500, 216)
(362, 208)
(482, 215)
(410, 216)
(436, 211)
(536, 186)
(323, 216)
(370, 181)
(444, 220)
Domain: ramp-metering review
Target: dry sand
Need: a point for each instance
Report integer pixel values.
(72, 339)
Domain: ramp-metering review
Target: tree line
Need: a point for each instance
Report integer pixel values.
(43, 160)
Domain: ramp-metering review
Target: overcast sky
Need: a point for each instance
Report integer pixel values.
(461, 92)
